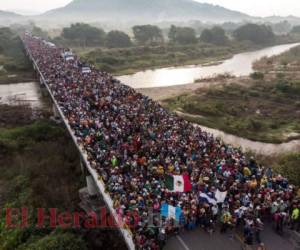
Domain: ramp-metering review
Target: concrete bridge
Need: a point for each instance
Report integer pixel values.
(95, 185)
(187, 240)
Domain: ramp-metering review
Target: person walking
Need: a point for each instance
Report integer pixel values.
(295, 217)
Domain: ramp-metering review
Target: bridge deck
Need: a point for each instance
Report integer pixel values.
(127, 235)
(160, 144)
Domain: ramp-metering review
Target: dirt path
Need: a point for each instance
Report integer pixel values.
(161, 93)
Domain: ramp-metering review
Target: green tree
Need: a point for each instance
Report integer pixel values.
(117, 39)
(148, 34)
(296, 29)
(282, 27)
(216, 36)
(37, 31)
(84, 35)
(260, 34)
(172, 34)
(10, 43)
(182, 35)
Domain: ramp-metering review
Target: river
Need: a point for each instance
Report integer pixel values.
(238, 65)
(30, 92)
(21, 92)
(254, 146)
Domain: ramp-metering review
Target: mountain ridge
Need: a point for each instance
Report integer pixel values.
(146, 10)
(4, 13)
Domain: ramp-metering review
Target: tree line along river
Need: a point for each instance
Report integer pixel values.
(238, 65)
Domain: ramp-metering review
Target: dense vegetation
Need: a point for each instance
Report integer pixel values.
(130, 60)
(40, 169)
(296, 29)
(216, 36)
(117, 39)
(13, 58)
(147, 35)
(265, 111)
(84, 35)
(260, 34)
(281, 63)
(264, 107)
(182, 35)
(289, 166)
(150, 46)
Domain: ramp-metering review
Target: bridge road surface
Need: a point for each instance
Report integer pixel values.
(201, 240)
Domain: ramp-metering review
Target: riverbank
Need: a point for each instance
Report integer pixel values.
(22, 94)
(128, 61)
(16, 78)
(285, 66)
(262, 108)
(14, 65)
(262, 112)
(287, 164)
(162, 93)
(239, 65)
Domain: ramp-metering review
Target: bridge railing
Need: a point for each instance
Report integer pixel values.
(127, 235)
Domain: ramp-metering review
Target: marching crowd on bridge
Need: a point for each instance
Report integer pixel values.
(135, 144)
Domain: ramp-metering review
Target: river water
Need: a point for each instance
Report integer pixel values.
(238, 65)
(254, 146)
(21, 92)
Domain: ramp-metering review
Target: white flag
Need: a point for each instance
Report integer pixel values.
(220, 196)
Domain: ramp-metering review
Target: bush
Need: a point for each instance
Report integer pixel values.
(110, 60)
(282, 86)
(10, 67)
(24, 136)
(289, 166)
(255, 125)
(64, 241)
(257, 76)
(106, 67)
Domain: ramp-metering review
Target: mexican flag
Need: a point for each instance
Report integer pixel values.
(178, 183)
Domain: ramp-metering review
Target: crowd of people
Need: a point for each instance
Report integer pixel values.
(134, 143)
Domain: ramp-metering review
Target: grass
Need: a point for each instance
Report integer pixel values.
(25, 136)
(267, 112)
(40, 169)
(16, 67)
(284, 59)
(288, 165)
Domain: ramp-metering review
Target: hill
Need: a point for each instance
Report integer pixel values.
(8, 18)
(276, 19)
(144, 10)
(7, 15)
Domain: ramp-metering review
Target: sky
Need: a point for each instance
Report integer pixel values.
(251, 7)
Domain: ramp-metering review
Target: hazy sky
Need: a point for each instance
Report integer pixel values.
(252, 7)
